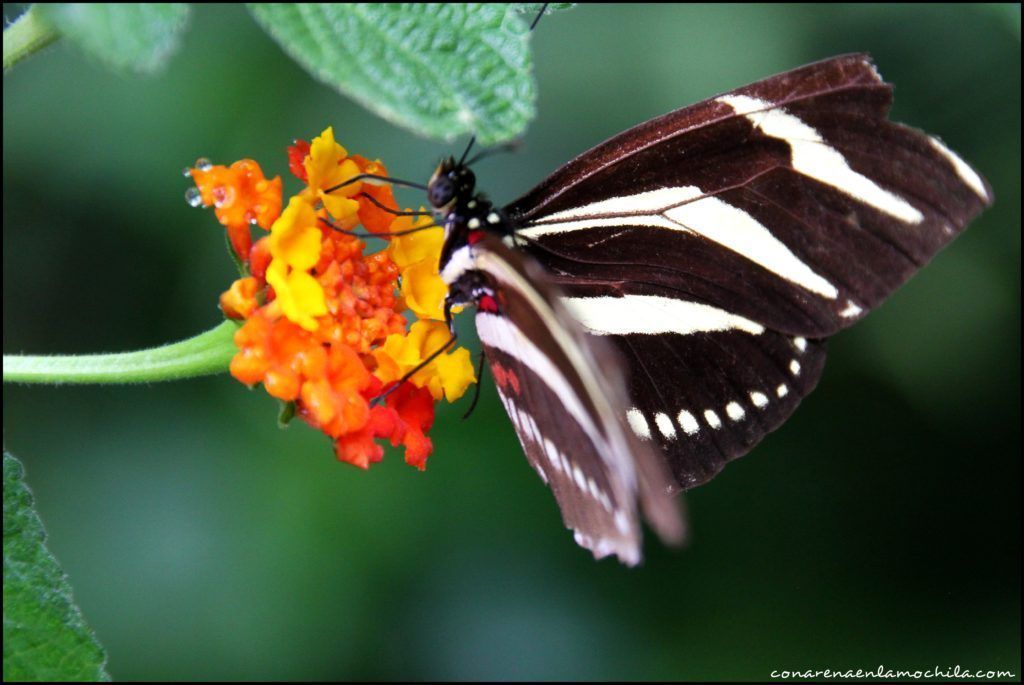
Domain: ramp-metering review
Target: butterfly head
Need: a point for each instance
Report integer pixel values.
(453, 183)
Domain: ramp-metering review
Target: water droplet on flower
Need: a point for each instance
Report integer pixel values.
(194, 197)
(186, 172)
(204, 164)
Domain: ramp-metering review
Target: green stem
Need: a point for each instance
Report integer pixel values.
(205, 354)
(28, 34)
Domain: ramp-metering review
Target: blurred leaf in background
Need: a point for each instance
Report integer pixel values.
(126, 36)
(881, 524)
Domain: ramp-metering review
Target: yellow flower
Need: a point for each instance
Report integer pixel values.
(294, 249)
(295, 236)
(326, 167)
(300, 296)
(417, 255)
(411, 248)
(447, 376)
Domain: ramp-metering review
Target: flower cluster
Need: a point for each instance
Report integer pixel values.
(324, 321)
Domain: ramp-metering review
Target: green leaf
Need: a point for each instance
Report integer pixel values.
(439, 70)
(135, 37)
(45, 636)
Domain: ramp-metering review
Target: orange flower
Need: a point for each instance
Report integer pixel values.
(241, 300)
(372, 216)
(241, 196)
(325, 324)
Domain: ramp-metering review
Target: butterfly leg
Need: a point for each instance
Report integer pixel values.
(450, 322)
(476, 391)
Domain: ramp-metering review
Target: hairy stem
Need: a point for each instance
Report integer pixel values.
(205, 354)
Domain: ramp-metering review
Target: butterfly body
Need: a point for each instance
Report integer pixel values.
(660, 303)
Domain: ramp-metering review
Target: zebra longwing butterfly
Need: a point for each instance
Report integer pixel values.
(660, 303)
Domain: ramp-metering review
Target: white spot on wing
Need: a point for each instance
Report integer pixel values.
(782, 390)
(851, 310)
(759, 399)
(712, 418)
(581, 480)
(794, 367)
(552, 454)
(664, 424)
(621, 521)
(735, 411)
(688, 421)
(638, 423)
(800, 343)
(813, 157)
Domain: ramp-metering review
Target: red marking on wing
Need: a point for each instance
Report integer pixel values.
(500, 375)
(488, 304)
(513, 380)
(505, 378)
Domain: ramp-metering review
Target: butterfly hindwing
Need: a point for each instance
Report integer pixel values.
(717, 246)
(739, 387)
(562, 391)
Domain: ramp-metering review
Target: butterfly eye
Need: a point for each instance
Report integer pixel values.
(440, 191)
(465, 181)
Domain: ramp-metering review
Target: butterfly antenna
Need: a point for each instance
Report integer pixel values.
(543, 9)
(382, 234)
(483, 154)
(376, 177)
(392, 210)
(479, 378)
(466, 151)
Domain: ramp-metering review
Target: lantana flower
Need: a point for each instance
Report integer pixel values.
(416, 254)
(324, 322)
(240, 195)
(295, 248)
(328, 168)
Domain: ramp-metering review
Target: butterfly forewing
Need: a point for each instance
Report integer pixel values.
(716, 246)
(562, 391)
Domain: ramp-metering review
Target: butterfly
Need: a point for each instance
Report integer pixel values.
(659, 304)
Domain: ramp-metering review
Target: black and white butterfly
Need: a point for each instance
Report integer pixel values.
(660, 303)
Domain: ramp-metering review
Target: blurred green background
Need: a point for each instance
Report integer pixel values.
(881, 525)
